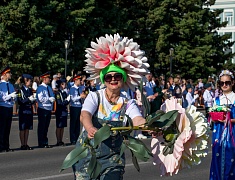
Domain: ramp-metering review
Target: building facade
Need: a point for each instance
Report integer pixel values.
(227, 15)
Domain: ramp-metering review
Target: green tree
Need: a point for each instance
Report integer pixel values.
(187, 26)
(33, 33)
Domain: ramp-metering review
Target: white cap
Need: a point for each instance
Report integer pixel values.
(55, 76)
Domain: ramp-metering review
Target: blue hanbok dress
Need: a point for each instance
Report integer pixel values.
(223, 143)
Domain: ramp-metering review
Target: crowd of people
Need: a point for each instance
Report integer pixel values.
(65, 96)
(40, 95)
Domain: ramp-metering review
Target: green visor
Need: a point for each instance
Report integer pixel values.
(112, 68)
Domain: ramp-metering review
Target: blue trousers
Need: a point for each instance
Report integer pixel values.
(44, 119)
(74, 129)
(5, 126)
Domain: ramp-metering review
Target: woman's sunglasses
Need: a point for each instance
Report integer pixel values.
(227, 83)
(116, 76)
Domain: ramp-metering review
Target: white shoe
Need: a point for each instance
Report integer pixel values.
(141, 136)
(136, 137)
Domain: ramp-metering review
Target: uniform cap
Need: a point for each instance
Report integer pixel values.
(207, 85)
(188, 86)
(78, 76)
(47, 74)
(58, 82)
(5, 70)
(27, 76)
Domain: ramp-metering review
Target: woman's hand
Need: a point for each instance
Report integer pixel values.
(85, 119)
(91, 132)
(83, 95)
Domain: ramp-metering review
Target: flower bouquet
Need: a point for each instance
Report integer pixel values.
(219, 112)
(188, 142)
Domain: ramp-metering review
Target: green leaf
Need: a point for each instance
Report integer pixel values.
(170, 137)
(101, 135)
(74, 156)
(166, 120)
(94, 168)
(139, 151)
(139, 142)
(166, 150)
(123, 148)
(154, 117)
(135, 162)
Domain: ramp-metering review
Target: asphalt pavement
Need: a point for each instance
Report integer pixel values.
(43, 164)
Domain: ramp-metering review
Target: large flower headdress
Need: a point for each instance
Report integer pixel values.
(122, 52)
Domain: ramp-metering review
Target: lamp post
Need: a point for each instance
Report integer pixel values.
(171, 50)
(66, 45)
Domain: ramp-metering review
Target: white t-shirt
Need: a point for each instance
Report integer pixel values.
(107, 111)
(35, 86)
(53, 84)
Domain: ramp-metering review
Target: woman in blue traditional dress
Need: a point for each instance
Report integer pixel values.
(223, 144)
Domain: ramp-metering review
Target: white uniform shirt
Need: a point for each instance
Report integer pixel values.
(190, 99)
(208, 98)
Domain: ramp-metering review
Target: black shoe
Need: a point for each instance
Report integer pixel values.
(61, 143)
(47, 146)
(9, 150)
(28, 148)
(44, 146)
(2, 150)
(73, 143)
(23, 147)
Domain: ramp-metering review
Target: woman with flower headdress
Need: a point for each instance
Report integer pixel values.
(119, 64)
(223, 143)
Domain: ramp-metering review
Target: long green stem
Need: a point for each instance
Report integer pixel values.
(135, 128)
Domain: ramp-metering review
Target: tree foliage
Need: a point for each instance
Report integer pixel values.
(32, 33)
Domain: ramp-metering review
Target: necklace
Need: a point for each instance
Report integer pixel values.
(109, 100)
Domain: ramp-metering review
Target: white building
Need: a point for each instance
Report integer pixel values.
(227, 15)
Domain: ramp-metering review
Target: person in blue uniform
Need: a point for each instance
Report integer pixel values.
(7, 100)
(76, 93)
(62, 100)
(45, 99)
(25, 100)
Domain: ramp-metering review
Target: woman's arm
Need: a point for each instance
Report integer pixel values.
(86, 120)
(138, 120)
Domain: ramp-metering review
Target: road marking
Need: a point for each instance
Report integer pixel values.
(70, 174)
